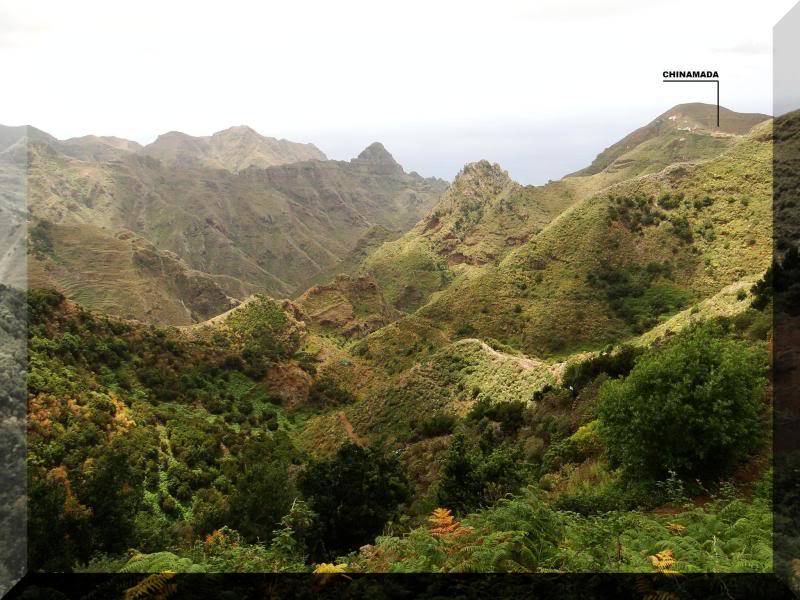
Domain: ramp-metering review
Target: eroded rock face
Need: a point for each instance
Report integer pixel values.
(352, 306)
(289, 383)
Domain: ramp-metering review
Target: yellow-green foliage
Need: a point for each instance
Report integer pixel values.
(160, 562)
(448, 381)
(478, 220)
(398, 345)
(723, 537)
(323, 434)
(512, 537)
(155, 587)
(728, 302)
(539, 299)
(587, 438)
(263, 318)
(484, 372)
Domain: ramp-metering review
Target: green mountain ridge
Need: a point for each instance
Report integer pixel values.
(232, 149)
(695, 227)
(683, 119)
(484, 215)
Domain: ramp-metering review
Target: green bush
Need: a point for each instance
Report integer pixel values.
(694, 406)
(326, 392)
(510, 415)
(681, 229)
(478, 475)
(633, 293)
(440, 424)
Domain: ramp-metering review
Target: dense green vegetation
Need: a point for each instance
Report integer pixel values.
(695, 407)
(354, 493)
(156, 434)
(634, 294)
(167, 443)
(12, 433)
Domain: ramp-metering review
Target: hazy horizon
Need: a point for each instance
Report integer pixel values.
(535, 88)
(510, 147)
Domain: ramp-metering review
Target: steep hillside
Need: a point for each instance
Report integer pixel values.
(267, 229)
(88, 147)
(786, 165)
(98, 148)
(13, 206)
(348, 306)
(481, 217)
(130, 424)
(634, 262)
(232, 149)
(616, 262)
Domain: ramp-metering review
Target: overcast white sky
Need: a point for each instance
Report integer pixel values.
(539, 86)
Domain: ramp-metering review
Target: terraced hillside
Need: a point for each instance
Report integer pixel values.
(121, 274)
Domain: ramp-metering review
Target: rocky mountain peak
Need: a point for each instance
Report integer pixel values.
(482, 174)
(377, 153)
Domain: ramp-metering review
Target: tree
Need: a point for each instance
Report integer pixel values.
(695, 407)
(459, 487)
(113, 487)
(354, 493)
(475, 476)
(263, 493)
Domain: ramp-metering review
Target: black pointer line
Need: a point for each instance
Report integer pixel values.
(699, 81)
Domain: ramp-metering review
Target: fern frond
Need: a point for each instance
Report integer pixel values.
(158, 586)
(442, 522)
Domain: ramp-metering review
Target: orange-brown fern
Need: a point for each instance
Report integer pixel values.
(442, 522)
(663, 561)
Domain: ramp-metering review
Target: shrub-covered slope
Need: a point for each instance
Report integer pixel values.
(615, 263)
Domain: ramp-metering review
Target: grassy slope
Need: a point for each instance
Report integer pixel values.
(407, 369)
(730, 240)
(681, 119)
(480, 218)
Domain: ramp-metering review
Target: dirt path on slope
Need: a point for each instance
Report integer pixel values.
(348, 428)
(524, 362)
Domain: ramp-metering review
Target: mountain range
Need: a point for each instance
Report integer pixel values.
(226, 215)
(186, 227)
